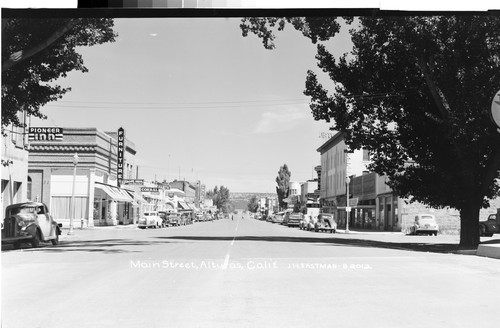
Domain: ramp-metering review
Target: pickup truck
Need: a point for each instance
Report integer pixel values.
(31, 223)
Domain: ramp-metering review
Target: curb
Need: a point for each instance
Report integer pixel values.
(491, 251)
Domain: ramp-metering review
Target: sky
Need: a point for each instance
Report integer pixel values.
(200, 101)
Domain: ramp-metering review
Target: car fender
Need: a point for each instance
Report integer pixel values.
(33, 228)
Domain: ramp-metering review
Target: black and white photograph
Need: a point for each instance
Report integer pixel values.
(243, 163)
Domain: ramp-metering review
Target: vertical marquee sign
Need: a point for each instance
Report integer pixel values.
(119, 162)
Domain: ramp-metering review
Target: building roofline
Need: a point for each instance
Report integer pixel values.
(339, 136)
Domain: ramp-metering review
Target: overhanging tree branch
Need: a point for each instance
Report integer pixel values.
(21, 55)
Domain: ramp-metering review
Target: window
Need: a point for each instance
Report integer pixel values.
(29, 191)
(366, 155)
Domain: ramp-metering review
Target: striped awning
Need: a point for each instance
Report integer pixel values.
(115, 193)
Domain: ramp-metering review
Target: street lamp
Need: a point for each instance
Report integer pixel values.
(72, 211)
(347, 208)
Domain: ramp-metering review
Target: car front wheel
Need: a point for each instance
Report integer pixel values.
(35, 242)
(55, 241)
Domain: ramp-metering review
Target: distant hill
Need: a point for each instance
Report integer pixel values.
(240, 199)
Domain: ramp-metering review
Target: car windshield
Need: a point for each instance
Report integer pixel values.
(21, 210)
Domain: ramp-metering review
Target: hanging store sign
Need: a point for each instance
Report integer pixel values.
(45, 134)
(121, 150)
(150, 189)
(138, 182)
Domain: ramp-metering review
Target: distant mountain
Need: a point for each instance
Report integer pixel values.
(248, 195)
(240, 199)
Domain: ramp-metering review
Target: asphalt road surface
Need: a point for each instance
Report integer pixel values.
(245, 273)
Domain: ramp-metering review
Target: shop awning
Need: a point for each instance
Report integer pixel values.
(147, 195)
(184, 206)
(115, 193)
(191, 206)
(135, 196)
(175, 191)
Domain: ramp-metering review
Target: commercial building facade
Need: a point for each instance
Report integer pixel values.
(373, 204)
(14, 168)
(76, 176)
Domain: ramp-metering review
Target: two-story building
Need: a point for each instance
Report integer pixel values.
(372, 203)
(14, 169)
(76, 175)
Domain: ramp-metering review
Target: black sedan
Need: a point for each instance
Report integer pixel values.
(489, 226)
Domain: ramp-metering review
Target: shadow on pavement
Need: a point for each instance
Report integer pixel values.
(95, 245)
(334, 241)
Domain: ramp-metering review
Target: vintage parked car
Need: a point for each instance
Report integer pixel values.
(29, 222)
(489, 226)
(278, 218)
(150, 219)
(294, 219)
(424, 224)
(165, 217)
(325, 222)
(308, 222)
(286, 217)
(175, 219)
(269, 217)
(305, 222)
(186, 219)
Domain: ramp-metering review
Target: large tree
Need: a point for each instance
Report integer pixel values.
(38, 51)
(415, 91)
(253, 204)
(220, 197)
(283, 185)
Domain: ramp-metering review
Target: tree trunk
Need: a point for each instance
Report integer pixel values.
(469, 226)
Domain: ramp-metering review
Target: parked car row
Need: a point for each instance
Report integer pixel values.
(324, 222)
(425, 224)
(163, 219)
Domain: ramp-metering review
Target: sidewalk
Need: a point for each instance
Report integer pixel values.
(489, 248)
(370, 232)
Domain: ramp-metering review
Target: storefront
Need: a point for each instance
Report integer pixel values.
(388, 212)
(113, 205)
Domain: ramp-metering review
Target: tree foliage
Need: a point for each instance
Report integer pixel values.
(282, 188)
(36, 52)
(416, 91)
(253, 204)
(220, 197)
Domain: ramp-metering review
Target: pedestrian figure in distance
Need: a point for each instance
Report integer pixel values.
(232, 217)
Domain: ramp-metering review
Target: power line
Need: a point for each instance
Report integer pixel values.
(185, 103)
(142, 106)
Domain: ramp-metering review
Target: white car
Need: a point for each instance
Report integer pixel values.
(424, 224)
(150, 219)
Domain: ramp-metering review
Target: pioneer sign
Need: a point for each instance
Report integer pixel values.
(45, 134)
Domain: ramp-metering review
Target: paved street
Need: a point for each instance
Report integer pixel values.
(246, 273)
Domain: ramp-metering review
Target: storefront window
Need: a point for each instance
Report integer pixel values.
(381, 213)
(396, 213)
(97, 207)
